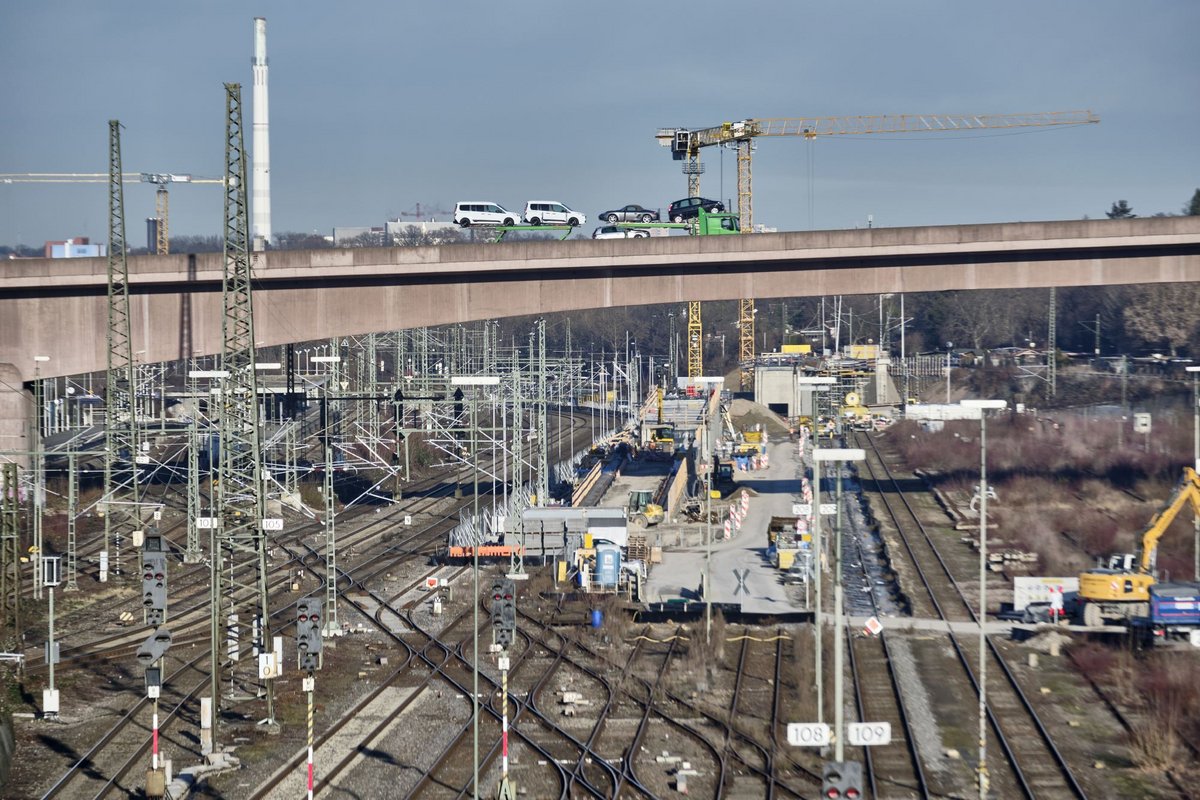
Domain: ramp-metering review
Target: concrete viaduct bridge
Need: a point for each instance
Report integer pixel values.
(58, 308)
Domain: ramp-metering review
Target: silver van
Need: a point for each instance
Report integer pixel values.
(482, 213)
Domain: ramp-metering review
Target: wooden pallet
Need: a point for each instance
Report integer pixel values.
(637, 549)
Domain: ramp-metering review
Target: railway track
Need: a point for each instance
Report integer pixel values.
(114, 746)
(1032, 765)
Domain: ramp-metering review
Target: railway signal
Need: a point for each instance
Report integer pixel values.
(154, 587)
(507, 626)
(497, 598)
(841, 780)
(308, 634)
(150, 655)
(154, 648)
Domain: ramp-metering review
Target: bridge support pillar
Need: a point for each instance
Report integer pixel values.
(16, 405)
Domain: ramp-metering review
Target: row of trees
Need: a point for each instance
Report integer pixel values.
(1122, 210)
(1118, 320)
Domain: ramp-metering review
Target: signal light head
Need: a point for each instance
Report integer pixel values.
(852, 794)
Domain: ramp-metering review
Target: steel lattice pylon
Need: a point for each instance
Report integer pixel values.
(240, 541)
(1052, 343)
(746, 342)
(543, 429)
(745, 207)
(120, 428)
(162, 238)
(695, 340)
(10, 551)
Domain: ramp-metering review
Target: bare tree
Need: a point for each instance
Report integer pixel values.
(1166, 313)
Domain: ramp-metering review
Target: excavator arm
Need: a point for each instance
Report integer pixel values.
(1186, 490)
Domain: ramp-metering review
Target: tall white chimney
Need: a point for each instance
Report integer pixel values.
(261, 179)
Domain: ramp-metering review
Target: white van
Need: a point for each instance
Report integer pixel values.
(551, 212)
(477, 213)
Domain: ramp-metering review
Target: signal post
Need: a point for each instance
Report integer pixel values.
(504, 620)
(150, 654)
(308, 655)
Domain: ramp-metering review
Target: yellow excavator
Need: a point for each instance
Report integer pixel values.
(1122, 589)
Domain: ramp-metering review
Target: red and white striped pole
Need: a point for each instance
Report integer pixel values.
(504, 718)
(154, 736)
(309, 685)
(506, 791)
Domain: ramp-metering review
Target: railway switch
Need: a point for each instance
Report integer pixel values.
(842, 780)
(308, 634)
(154, 587)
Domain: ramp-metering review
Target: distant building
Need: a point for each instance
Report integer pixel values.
(437, 231)
(79, 247)
(152, 224)
(396, 232)
(344, 235)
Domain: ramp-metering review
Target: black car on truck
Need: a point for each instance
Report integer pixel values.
(689, 208)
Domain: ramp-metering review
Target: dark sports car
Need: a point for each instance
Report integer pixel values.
(631, 213)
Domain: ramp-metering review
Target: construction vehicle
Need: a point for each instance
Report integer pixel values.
(722, 478)
(853, 414)
(1121, 590)
(660, 441)
(1174, 614)
(642, 511)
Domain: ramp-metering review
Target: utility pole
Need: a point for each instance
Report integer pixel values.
(39, 471)
(1195, 371)
(192, 554)
(120, 417)
(332, 626)
(240, 493)
(543, 478)
(72, 510)
(818, 551)
(838, 457)
(50, 569)
(1052, 343)
(10, 545)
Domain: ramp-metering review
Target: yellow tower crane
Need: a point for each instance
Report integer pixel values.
(159, 179)
(686, 143)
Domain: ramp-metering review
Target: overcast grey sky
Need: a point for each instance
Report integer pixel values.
(378, 106)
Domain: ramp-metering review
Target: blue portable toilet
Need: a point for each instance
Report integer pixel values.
(608, 564)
